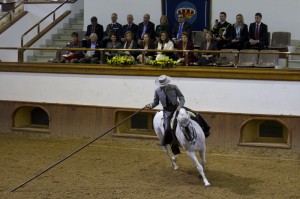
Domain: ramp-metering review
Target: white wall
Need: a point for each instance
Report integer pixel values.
(279, 15)
(103, 9)
(216, 95)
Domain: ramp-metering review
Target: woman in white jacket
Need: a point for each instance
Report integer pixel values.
(164, 43)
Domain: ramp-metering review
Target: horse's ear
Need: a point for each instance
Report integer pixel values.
(191, 114)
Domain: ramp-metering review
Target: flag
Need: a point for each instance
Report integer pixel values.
(196, 12)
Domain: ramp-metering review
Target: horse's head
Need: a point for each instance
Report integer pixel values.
(183, 118)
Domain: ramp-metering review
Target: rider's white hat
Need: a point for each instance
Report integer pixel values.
(163, 80)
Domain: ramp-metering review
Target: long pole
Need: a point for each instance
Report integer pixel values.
(77, 150)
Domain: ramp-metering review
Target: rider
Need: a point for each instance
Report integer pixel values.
(171, 99)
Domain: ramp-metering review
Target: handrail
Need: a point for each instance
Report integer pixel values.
(13, 11)
(38, 23)
(142, 51)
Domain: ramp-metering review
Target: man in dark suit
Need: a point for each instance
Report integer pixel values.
(179, 27)
(258, 33)
(222, 32)
(130, 26)
(171, 99)
(94, 27)
(145, 27)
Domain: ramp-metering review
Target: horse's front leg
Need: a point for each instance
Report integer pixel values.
(193, 157)
(167, 151)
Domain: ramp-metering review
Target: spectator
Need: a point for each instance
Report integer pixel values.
(145, 27)
(222, 32)
(113, 44)
(73, 56)
(185, 44)
(207, 58)
(258, 33)
(164, 43)
(94, 27)
(130, 26)
(147, 44)
(179, 27)
(91, 56)
(163, 26)
(113, 27)
(239, 33)
(130, 43)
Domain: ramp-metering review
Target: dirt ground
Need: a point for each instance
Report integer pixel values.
(114, 168)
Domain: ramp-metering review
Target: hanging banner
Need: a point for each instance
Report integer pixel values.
(196, 12)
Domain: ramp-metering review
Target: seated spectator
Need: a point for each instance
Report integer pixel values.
(145, 27)
(164, 43)
(92, 56)
(113, 27)
(222, 32)
(258, 33)
(130, 26)
(163, 26)
(206, 59)
(73, 56)
(147, 44)
(94, 27)
(185, 44)
(179, 27)
(129, 43)
(113, 44)
(239, 33)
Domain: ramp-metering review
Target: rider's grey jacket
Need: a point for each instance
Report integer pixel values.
(173, 93)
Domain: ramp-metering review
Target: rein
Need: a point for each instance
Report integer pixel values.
(189, 133)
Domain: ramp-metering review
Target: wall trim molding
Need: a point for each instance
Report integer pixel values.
(144, 70)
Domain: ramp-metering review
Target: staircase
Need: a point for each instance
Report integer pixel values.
(60, 39)
(294, 60)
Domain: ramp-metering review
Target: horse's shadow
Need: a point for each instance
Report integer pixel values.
(223, 180)
(226, 180)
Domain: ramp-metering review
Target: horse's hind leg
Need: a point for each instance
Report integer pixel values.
(193, 157)
(167, 151)
(202, 156)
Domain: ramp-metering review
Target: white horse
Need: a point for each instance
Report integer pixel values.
(189, 135)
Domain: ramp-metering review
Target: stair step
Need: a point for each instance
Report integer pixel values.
(295, 64)
(73, 26)
(295, 57)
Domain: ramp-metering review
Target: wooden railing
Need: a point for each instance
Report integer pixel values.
(38, 24)
(143, 52)
(9, 15)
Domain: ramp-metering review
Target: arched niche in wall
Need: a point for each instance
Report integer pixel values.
(268, 132)
(31, 117)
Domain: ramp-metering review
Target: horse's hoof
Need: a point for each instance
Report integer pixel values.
(207, 186)
(175, 168)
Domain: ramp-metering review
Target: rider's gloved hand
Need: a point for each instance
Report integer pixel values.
(148, 106)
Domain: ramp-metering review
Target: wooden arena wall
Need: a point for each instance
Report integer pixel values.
(90, 121)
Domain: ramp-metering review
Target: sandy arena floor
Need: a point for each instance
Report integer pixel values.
(113, 168)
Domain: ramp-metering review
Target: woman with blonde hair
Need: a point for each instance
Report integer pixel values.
(239, 33)
(163, 26)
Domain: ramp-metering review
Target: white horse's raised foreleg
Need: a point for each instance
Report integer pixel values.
(193, 157)
(172, 159)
